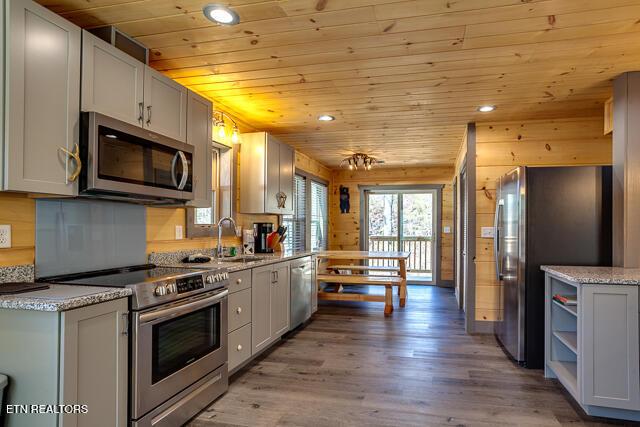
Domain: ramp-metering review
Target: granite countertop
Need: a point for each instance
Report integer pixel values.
(174, 259)
(596, 275)
(62, 297)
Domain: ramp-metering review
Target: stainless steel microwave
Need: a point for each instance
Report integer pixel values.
(126, 162)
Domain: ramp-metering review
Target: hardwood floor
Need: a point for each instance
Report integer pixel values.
(352, 367)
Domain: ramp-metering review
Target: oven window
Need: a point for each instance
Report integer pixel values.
(127, 158)
(181, 341)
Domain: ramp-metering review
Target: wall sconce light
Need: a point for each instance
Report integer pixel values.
(219, 123)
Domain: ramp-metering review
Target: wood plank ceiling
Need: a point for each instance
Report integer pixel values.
(402, 77)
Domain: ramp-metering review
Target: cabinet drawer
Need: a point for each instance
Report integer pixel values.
(239, 280)
(239, 313)
(239, 346)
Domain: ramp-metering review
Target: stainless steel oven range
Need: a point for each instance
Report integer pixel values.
(178, 338)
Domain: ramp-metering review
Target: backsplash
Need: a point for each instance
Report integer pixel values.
(18, 273)
(83, 235)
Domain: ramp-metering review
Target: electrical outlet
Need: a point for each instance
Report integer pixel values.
(487, 232)
(447, 229)
(179, 234)
(5, 236)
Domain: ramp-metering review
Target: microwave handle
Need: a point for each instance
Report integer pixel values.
(185, 170)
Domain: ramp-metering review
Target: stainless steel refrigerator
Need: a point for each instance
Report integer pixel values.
(545, 216)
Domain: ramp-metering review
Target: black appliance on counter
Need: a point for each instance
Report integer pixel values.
(261, 231)
(545, 216)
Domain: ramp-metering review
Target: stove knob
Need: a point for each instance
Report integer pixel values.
(161, 290)
(225, 276)
(172, 288)
(209, 279)
(217, 278)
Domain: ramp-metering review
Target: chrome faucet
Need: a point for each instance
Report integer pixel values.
(222, 220)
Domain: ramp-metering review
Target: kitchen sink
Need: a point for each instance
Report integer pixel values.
(244, 258)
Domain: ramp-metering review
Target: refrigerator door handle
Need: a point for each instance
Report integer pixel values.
(496, 241)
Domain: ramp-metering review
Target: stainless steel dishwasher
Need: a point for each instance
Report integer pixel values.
(301, 287)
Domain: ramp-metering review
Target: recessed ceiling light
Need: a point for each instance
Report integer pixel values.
(221, 14)
(326, 118)
(486, 108)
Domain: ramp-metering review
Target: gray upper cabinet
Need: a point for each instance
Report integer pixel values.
(112, 81)
(165, 106)
(287, 169)
(199, 111)
(118, 85)
(42, 99)
(266, 175)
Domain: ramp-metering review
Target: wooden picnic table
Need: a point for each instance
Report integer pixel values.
(361, 279)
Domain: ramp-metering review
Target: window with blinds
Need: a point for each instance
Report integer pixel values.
(296, 223)
(319, 217)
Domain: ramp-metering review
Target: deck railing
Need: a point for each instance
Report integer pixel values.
(420, 247)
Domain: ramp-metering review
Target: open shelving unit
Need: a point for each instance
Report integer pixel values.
(563, 339)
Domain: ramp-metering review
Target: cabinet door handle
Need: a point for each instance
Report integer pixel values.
(239, 310)
(148, 114)
(125, 322)
(238, 281)
(75, 155)
(141, 112)
(281, 197)
(239, 347)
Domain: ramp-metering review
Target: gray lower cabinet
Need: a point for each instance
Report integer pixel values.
(270, 295)
(610, 364)
(239, 318)
(41, 73)
(239, 313)
(75, 357)
(593, 348)
(239, 346)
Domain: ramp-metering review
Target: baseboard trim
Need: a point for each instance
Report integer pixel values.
(445, 284)
(483, 327)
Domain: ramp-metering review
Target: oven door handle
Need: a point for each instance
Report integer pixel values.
(181, 309)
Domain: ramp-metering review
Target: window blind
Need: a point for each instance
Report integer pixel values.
(296, 223)
(319, 217)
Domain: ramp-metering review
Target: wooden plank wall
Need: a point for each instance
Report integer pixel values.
(161, 222)
(344, 229)
(503, 145)
(19, 211)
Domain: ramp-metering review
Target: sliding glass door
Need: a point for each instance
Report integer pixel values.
(403, 220)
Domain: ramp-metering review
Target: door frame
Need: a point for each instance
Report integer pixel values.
(437, 228)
